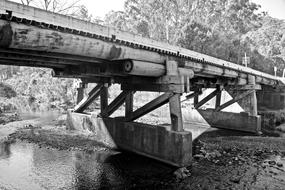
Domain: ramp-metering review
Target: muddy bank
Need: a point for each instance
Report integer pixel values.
(8, 117)
(222, 159)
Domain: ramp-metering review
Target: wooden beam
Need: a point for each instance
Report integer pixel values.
(206, 99)
(234, 100)
(152, 105)
(104, 97)
(144, 68)
(196, 98)
(176, 113)
(253, 99)
(218, 98)
(129, 104)
(115, 104)
(98, 48)
(189, 96)
(85, 102)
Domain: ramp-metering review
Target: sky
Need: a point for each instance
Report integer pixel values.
(275, 8)
(98, 8)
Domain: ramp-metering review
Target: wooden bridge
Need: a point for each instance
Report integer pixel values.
(98, 54)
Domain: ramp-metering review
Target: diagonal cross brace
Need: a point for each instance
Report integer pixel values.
(234, 100)
(115, 104)
(86, 101)
(206, 99)
(152, 105)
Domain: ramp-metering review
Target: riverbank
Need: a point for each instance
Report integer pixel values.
(222, 159)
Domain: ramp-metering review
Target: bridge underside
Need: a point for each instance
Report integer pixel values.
(102, 55)
(173, 144)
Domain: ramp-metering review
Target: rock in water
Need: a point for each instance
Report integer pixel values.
(182, 173)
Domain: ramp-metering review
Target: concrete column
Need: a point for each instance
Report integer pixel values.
(176, 113)
(252, 100)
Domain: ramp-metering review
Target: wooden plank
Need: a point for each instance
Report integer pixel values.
(39, 55)
(175, 113)
(29, 63)
(115, 104)
(86, 101)
(206, 99)
(152, 105)
(178, 88)
(234, 100)
(217, 67)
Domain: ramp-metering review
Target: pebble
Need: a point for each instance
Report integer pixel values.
(198, 156)
(182, 173)
(235, 179)
(272, 162)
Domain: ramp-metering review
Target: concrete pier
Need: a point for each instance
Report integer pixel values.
(157, 142)
(233, 121)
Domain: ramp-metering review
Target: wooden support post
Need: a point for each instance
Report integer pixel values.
(129, 104)
(219, 95)
(115, 104)
(196, 94)
(80, 92)
(176, 113)
(152, 105)
(196, 99)
(104, 97)
(206, 99)
(85, 102)
(253, 100)
(218, 98)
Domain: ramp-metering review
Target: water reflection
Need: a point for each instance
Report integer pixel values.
(26, 166)
(5, 151)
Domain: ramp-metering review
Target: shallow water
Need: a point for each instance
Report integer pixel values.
(27, 166)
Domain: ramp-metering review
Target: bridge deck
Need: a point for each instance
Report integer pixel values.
(39, 38)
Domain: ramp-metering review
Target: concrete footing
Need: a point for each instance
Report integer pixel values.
(174, 148)
(233, 121)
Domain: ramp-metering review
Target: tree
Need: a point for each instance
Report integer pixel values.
(26, 2)
(66, 7)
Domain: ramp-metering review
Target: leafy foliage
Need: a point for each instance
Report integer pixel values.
(38, 91)
(225, 29)
(222, 28)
